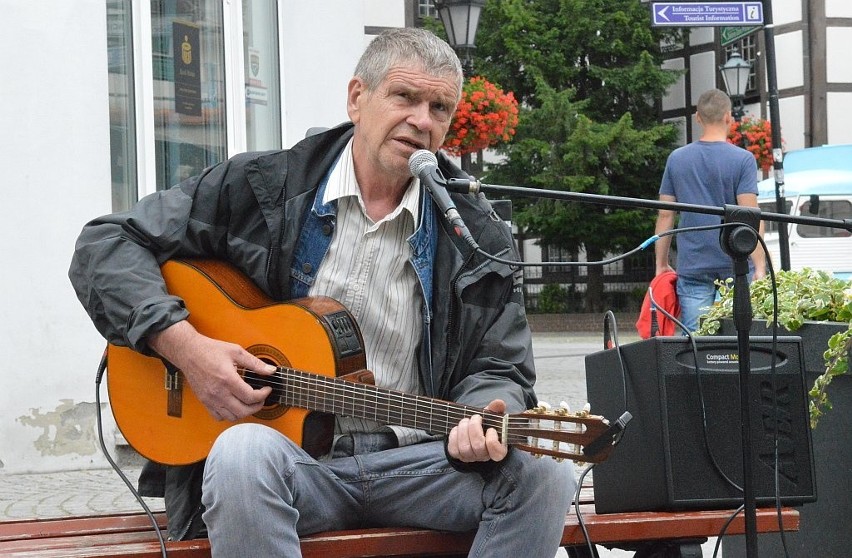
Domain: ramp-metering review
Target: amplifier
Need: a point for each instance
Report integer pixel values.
(666, 459)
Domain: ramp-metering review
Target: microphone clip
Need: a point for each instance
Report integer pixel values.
(463, 185)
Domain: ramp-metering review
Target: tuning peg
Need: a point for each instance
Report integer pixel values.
(564, 409)
(543, 407)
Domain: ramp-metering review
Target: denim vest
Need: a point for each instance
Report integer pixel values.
(315, 239)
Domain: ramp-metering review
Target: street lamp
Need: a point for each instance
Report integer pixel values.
(735, 74)
(460, 19)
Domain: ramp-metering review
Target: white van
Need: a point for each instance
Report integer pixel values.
(818, 183)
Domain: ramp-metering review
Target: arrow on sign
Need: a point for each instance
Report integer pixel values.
(662, 13)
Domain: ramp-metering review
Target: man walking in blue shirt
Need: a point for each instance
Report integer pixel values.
(710, 172)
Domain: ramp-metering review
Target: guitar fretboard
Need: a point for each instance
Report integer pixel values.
(315, 392)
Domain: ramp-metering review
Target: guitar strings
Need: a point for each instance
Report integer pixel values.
(340, 396)
(331, 394)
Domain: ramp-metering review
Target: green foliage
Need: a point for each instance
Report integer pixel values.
(806, 295)
(553, 299)
(604, 50)
(587, 74)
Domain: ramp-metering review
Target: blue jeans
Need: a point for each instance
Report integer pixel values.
(262, 492)
(695, 295)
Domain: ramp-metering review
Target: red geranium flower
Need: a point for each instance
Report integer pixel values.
(754, 135)
(485, 117)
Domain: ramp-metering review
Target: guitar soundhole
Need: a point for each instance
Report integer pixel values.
(272, 409)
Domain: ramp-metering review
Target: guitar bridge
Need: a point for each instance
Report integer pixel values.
(174, 391)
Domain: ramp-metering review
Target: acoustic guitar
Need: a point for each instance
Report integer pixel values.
(319, 353)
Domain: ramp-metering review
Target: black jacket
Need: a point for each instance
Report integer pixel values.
(249, 211)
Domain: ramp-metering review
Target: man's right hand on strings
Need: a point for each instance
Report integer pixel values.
(212, 369)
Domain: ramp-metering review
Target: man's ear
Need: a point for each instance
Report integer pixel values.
(355, 94)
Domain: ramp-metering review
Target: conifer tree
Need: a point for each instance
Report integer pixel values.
(588, 76)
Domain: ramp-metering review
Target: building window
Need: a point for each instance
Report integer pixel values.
(189, 84)
(426, 8)
(262, 74)
(122, 120)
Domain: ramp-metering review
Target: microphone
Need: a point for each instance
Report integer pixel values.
(424, 165)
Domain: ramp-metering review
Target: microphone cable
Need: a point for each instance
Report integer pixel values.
(98, 377)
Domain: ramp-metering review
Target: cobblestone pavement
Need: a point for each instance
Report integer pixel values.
(84, 492)
(561, 372)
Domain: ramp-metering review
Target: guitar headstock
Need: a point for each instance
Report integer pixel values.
(565, 434)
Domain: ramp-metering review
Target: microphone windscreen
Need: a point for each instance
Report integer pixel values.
(421, 159)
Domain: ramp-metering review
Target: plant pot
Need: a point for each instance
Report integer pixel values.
(824, 529)
(814, 336)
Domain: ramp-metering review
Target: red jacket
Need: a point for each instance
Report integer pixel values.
(665, 295)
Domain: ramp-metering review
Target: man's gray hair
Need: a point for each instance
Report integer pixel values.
(395, 47)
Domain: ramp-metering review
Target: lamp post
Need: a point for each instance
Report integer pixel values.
(735, 74)
(461, 19)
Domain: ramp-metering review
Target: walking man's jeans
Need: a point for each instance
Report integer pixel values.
(262, 492)
(696, 294)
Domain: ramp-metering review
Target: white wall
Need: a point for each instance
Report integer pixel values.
(54, 152)
(384, 13)
(838, 8)
(839, 72)
(839, 127)
(321, 43)
(787, 11)
(676, 96)
(55, 155)
(792, 111)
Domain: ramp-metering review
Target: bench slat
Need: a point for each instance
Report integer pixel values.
(77, 525)
(644, 526)
(132, 535)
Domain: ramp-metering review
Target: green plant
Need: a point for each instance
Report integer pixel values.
(805, 295)
(553, 299)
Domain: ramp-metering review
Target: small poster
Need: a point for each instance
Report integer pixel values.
(256, 93)
(187, 63)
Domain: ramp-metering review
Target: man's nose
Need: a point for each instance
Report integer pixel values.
(421, 117)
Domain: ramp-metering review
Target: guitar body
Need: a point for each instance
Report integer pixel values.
(156, 410)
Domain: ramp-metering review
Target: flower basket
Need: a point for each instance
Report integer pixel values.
(485, 117)
(755, 135)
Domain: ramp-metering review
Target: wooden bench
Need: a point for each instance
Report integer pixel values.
(133, 535)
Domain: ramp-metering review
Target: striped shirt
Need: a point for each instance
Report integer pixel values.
(367, 269)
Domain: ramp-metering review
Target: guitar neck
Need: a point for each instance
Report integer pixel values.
(306, 390)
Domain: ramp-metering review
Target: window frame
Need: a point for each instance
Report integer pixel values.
(234, 67)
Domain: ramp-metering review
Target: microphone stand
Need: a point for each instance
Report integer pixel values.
(738, 242)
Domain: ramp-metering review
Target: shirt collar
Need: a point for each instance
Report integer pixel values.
(343, 183)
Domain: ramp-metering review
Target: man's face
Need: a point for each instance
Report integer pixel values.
(409, 110)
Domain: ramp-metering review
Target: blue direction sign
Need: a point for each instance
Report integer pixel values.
(707, 14)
